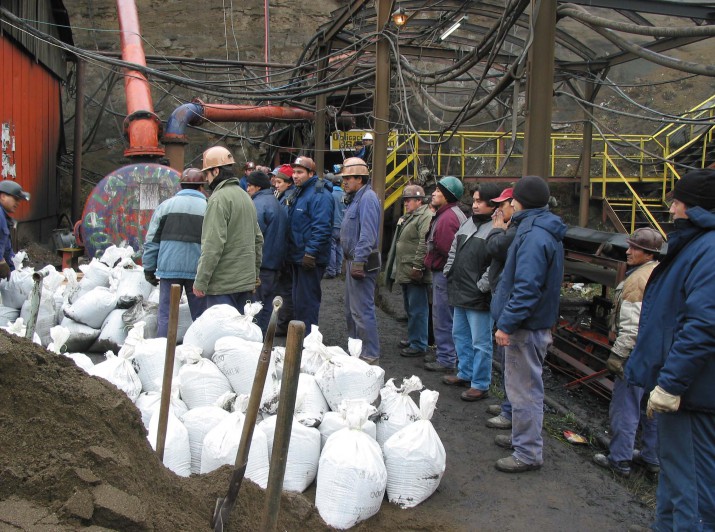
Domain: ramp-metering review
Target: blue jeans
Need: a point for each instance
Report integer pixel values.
(472, 331)
(442, 321)
(415, 300)
(360, 312)
(265, 294)
(335, 265)
(237, 300)
(524, 360)
(307, 294)
(505, 404)
(625, 415)
(197, 305)
(685, 498)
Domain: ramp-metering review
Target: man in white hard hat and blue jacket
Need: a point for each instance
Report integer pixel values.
(11, 194)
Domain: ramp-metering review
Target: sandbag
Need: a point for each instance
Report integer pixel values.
(347, 377)
(198, 423)
(82, 360)
(177, 453)
(112, 335)
(46, 317)
(59, 336)
(131, 283)
(334, 421)
(185, 321)
(352, 475)
(92, 308)
(314, 352)
(18, 328)
(81, 336)
(221, 446)
(415, 458)
(117, 256)
(119, 371)
(397, 409)
(310, 405)
(8, 315)
(303, 454)
(201, 383)
(95, 274)
(223, 320)
(149, 403)
(15, 291)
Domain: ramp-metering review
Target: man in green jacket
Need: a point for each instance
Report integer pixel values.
(405, 265)
(231, 241)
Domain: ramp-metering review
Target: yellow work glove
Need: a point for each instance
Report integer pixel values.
(662, 402)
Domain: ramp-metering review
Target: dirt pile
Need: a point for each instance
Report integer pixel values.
(75, 446)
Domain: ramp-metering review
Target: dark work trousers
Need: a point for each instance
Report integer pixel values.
(625, 415)
(265, 294)
(197, 305)
(307, 294)
(360, 311)
(237, 300)
(284, 288)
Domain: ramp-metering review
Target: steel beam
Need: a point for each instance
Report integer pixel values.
(654, 7)
(381, 109)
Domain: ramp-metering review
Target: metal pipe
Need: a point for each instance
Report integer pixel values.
(35, 298)
(585, 192)
(141, 126)
(78, 135)
(206, 61)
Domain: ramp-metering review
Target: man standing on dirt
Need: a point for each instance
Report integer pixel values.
(249, 167)
(273, 221)
(447, 219)
(283, 182)
(231, 241)
(469, 295)
(172, 246)
(498, 241)
(625, 410)
(310, 219)
(359, 239)
(406, 265)
(11, 194)
(525, 307)
(674, 356)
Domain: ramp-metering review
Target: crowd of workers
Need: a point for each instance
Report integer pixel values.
(495, 275)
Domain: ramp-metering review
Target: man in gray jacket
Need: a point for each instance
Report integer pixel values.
(406, 265)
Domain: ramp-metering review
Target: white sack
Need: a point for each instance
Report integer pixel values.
(352, 475)
(149, 403)
(113, 333)
(17, 289)
(185, 321)
(59, 336)
(93, 307)
(115, 256)
(8, 315)
(315, 353)
(397, 409)
(119, 371)
(18, 328)
(415, 458)
(310, 405)
(334, 421)
(200, 381)
(177, 453)
(223, 320)
(95, 273)
(303, 454)
(198, 423)
(142, 311)
(221, 446)
(81, 336)
(148, 361)
(132, 283)
(82, 360)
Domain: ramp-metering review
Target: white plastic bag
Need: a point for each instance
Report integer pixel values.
(82, 360)
(310, 405)
(18, 288)
(237, 359)
(177, 453)
(314, 352)
(18, 328)
(95, 273)
(119, 371)
(352, 475)
(149, 403)
(201, 382)
(59, 336)
(113, 333)
(198, 423)
(219, 321)
(93, 307)
(397, 409)
(334, 421)
(303, 454)
(117, 256)
(132, 284)
(415, 458)
(148, 361)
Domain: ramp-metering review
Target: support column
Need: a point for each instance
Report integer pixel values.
(381, 109)
(321, 102)
(539, 92)
(585, 192)
(78, 136)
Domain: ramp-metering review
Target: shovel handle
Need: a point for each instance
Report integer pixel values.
(224, 507)
(175, 298)
(284, 424)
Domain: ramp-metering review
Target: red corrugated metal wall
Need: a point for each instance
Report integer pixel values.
(30, 103)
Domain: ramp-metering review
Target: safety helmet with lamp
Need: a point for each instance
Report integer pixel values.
(305, 162)
(12, 188)
(193, 176)
(215, 157)
(647, 239)
(250, 165)
(413, 192)
(354, 166)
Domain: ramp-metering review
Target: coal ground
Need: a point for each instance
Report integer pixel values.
(74, 455)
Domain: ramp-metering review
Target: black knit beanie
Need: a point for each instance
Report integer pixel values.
(532, 192)
(697, 189)
(451, 198)
(258, 179)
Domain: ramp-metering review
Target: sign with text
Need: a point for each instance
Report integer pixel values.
(347, 140)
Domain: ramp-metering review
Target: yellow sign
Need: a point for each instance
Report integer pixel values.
(347, 140)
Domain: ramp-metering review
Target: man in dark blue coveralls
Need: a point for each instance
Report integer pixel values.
(11, 194)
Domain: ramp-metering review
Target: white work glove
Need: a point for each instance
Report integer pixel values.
(662, 402)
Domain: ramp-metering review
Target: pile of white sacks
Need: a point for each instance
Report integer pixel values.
(356, 451)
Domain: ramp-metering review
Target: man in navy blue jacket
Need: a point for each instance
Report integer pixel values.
(173, 245)
(359, 239)
(273, 221)
(11, 194)
(525, 307)
(310, 219)
(674, 356)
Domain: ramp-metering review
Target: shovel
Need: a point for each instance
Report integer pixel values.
(224, 505)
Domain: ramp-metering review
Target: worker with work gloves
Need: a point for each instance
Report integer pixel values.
(11, 194)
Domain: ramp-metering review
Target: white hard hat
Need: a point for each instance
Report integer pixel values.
(367, 136)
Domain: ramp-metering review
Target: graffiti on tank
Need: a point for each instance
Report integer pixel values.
(121, 205)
